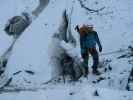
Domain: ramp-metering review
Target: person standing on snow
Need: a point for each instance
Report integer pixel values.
(88, 40)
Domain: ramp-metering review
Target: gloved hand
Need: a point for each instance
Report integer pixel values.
(100, 48)
(77, 28)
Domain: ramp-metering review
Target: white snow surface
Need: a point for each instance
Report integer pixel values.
(34, 50)
(69, 91)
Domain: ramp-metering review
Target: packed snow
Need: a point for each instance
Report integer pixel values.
(36, 50)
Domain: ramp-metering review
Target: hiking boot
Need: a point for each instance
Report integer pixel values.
(82, 70)
(96, 72)
(85, 71)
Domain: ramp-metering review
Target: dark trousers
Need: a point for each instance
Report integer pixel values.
(94, 55)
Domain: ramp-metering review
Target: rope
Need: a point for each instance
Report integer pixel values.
(113, 52)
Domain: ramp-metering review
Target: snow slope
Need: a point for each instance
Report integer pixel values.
(34, 49)
(78, 91)
(7, 11)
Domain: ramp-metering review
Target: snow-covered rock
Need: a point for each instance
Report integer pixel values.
(32, 51)
(35, 54)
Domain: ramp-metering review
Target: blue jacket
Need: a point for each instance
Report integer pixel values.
(89, 40)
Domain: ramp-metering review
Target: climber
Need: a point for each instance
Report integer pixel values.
(88, 40)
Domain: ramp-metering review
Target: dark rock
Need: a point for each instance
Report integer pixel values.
(16, 73)
(96, 93)
(30, 72)
(71, 93)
